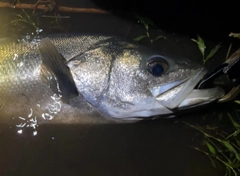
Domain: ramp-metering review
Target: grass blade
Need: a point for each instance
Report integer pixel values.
(211, 148)
(137, 39)
(213, 52)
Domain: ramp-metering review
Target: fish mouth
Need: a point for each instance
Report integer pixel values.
(184, 95)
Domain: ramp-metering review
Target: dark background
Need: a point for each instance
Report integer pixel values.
(213, 18)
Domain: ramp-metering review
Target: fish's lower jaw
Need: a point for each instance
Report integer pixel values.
(199, 97)
(195, 102)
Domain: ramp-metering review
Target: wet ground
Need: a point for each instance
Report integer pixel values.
(161, 147)
(150, 148)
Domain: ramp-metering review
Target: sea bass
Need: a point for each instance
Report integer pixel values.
(93, 78)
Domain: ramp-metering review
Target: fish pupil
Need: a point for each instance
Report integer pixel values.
(157, 70)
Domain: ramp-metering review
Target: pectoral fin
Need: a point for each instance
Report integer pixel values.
(54, 62)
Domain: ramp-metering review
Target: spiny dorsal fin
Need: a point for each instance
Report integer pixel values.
(55, 63)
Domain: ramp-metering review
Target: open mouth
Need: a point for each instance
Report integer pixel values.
(184, 93)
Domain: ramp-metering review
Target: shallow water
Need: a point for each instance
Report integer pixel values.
(145, 148)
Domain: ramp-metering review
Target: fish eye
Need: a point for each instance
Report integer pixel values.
(157, 66)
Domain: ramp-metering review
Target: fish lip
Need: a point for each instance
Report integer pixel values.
(189, 96)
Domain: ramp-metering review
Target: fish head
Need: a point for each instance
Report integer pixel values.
(128, 81)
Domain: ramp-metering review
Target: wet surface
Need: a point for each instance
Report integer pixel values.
(147, 148)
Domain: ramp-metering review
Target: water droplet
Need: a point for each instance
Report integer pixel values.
(21, 125)
(47, 116)
(28, 37)
(34, 133)
(39, 30)
(21, 118)
(31, 112)
(20, 64)
(19, 131)
(15, 56)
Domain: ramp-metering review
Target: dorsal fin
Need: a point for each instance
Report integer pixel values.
(55, 63)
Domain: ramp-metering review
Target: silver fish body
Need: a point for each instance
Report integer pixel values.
(114, 79)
